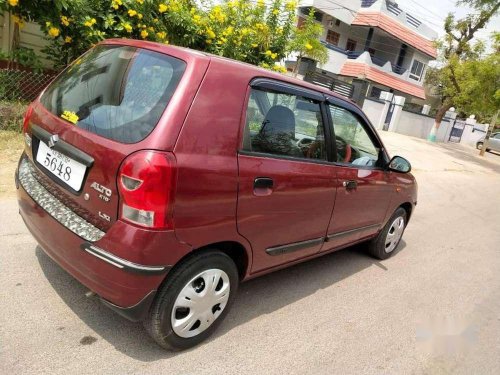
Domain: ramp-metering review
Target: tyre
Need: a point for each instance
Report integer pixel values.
(385, 244)
(479, 145)
(193, 301)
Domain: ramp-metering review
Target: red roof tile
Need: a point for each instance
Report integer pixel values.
(393, 27)
(355, 69)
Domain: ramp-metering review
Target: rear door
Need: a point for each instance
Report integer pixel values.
(91, 117)
(494, 142)
(286, 183)
(364, 190)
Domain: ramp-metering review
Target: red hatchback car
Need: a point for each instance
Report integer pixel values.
(161, 177)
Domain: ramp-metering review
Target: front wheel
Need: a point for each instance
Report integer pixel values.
(479, 145)
(194, 300)
(384, 245)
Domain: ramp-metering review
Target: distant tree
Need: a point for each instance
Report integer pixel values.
(457, 54)
(306, 41)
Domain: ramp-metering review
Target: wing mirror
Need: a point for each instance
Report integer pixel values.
(399, 164)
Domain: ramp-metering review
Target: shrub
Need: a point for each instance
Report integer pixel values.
(11, 115)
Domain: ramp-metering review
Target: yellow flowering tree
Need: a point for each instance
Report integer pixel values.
(255, 31)
(306, 42)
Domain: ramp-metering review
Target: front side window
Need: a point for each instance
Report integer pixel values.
(118, 92)
(284, 124)
(417, 70)
(354, 145)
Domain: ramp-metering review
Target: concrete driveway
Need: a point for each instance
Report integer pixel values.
(433, 308)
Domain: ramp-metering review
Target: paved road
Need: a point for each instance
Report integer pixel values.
(434, 308)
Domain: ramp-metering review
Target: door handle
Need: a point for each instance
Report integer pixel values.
(263, 186)
(350, 185)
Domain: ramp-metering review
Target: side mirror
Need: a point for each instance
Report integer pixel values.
(399, 164)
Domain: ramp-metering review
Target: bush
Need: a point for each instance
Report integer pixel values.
(11, 115)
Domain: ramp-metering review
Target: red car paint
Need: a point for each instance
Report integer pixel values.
(214, 203)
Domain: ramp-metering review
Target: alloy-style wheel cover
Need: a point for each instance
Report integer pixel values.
(394, 234)
(200, 302)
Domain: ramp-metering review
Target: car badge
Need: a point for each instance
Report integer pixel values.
(53, 140)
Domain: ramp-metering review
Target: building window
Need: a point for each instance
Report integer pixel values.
(337, 22)
(350, 45)
(417, 70)
(371, 51)
(332, 37)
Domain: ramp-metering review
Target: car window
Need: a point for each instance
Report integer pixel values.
(284, 124)
(118, 92)
(354, 145)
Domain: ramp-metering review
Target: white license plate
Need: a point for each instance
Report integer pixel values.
(64, 168)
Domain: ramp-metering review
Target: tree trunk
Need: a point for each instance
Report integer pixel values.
(297, 65)
(488, 133)
(437, 121)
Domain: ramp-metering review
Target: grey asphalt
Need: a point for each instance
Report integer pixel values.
(434, 308)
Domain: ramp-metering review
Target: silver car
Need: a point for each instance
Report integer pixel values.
(493, 143)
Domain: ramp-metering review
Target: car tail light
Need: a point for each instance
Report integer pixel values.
(146, 183)
(27, 116)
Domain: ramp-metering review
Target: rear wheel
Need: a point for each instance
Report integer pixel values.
(385, 244)
(194, 300)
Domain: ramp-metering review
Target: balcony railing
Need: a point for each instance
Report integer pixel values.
(377, 61)
(333, 47)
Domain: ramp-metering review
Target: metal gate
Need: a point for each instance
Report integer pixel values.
(333, 84)
(457, 131)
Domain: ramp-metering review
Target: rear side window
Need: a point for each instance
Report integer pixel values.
(117, 92)
(284, 124)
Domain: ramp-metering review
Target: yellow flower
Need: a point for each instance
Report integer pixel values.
(260, 3)
(209, 41)
(54, 32)
(276, 12)
(254, 45)
(68, 39)
(132, 12)
(90, 22)
(127, 27)
(13, 3)
(140, 1)
(151, 28)
(65, 20)
(161, 35)
(162, 8)
(48, 24)
(308, 46)
(144, 34)
(290, 5)
(18, 20)
(116, 4)
(139, 15)
(273, 55)
(229, 30)
(210, 33)
(155, 20)
(268, 53)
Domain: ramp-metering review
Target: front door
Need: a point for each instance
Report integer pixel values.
(286, 184)
(364, 191)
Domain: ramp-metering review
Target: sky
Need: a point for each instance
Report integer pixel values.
(433, 13)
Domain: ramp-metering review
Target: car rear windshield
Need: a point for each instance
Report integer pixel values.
(118, 92)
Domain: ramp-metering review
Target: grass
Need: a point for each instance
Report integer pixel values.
(11, 147)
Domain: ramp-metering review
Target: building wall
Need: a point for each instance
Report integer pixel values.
(30, 36)
(373, 110)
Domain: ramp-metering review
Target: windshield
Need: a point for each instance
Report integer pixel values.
(118, 92)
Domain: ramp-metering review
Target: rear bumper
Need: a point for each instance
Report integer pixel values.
(125, 266)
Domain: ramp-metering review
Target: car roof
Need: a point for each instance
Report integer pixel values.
(230, 63)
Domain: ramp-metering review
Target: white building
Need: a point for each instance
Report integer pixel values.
(374, 45)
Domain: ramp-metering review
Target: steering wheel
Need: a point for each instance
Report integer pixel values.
(344, 148)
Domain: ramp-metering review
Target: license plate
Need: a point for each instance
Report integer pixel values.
(64, 168)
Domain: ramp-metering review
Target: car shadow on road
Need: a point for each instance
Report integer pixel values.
(256, 297)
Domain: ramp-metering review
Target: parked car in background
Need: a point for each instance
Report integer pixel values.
(161, 177)
(493, 143)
